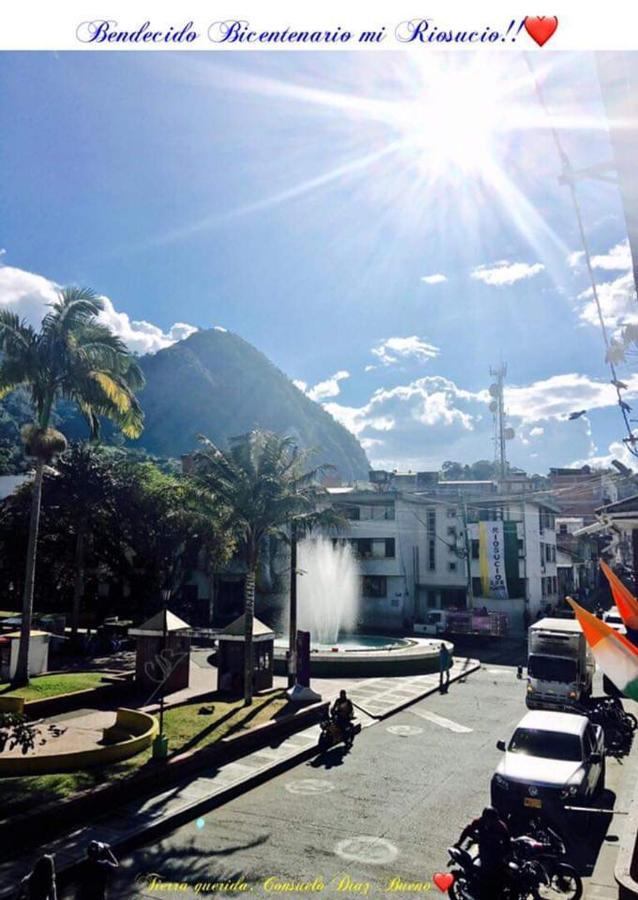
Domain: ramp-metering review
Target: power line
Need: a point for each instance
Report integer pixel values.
(568, 177)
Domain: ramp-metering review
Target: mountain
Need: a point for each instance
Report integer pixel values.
(216, 384)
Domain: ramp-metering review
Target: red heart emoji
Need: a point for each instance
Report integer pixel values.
(443, 880)
(541, 28)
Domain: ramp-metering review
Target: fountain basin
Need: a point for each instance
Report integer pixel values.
(357, 656)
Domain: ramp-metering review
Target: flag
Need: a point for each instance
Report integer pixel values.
(623, 598)
(614, 654)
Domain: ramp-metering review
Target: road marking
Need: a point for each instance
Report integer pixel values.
(404, 730)
(441, 720)
(309, 786)
(366, 849)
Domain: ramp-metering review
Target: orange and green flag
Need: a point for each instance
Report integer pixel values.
(615, 656)
(623, 598)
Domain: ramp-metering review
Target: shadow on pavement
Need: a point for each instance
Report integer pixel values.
(189, 865)
(333, 757)
(587, 831)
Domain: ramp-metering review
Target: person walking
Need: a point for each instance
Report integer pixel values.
(41, 883)
(444, 668)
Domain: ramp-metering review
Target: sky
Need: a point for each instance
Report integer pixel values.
(384, 226)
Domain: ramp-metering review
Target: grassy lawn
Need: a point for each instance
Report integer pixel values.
(6, 613)
(188, 727)
(52, 685)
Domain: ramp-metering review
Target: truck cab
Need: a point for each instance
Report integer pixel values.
(560, 666)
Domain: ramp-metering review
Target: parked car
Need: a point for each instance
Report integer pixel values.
(613, 618)
(553, 760)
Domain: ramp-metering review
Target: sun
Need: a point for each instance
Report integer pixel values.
(452, 121)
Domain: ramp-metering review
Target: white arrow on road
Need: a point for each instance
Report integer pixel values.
(441, 720)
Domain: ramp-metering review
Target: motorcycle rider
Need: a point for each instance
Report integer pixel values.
(342, 712)
(493, 837)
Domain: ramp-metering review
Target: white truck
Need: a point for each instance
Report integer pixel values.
(560, 665)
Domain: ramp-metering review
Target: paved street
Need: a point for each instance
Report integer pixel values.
(387, 810)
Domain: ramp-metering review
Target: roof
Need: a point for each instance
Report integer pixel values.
(155, 625)
(557, 625)
(544, 720)
(629, 505)
(238, 628)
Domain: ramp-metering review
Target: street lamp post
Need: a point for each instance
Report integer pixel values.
(292, 625)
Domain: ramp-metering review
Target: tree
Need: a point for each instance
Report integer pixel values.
(83, 494)
(262, 480)
(77, 358)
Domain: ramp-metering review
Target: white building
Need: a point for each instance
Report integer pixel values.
(412, 547)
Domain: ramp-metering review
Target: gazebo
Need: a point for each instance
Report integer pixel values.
(153, 638)
(230, 656)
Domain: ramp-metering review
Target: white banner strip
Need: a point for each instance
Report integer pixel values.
(283, 25)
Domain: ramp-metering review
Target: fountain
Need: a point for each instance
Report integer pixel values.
(328, 589)
(328, 606)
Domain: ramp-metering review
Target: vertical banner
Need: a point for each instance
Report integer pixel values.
(492, 560)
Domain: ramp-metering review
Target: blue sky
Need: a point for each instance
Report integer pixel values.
(383, 226)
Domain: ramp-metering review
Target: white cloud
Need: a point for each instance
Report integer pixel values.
(29, 295)
(219, 328)
(395, 349)
(434, 279)
(574, 259)
(369, 368)
(503, 272)
(536, 432)
(427, 401)
(617, 301)
(556, 397)
(323, 390)
(617, 259)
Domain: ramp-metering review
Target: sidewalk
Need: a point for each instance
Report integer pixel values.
(136, 821)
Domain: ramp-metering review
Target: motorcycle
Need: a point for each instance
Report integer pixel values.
(560, 879)
(333, 732)
(619, 726)
(536, 868)
(521, 879)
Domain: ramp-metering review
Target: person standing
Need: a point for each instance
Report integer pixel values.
(41, 883)
(444, 668)
(96, 871)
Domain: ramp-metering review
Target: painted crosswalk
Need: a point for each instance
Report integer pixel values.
(440, 720)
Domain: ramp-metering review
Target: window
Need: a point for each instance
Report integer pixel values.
(475, 549)
(351, 512)
(389, 548)
(374, 586)
(373, 548)
(431, 520)
(546, 744)
(451, 531)
(451, 566)
(431, 554)
(521, 548)
(477, 587)
(451, 512)
(562, 528)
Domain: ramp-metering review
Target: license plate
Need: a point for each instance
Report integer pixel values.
(533, 802)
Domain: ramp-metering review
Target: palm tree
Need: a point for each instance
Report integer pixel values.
(262, 481)
(73, 357)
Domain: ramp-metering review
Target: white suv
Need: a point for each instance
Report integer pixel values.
(553, 759)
